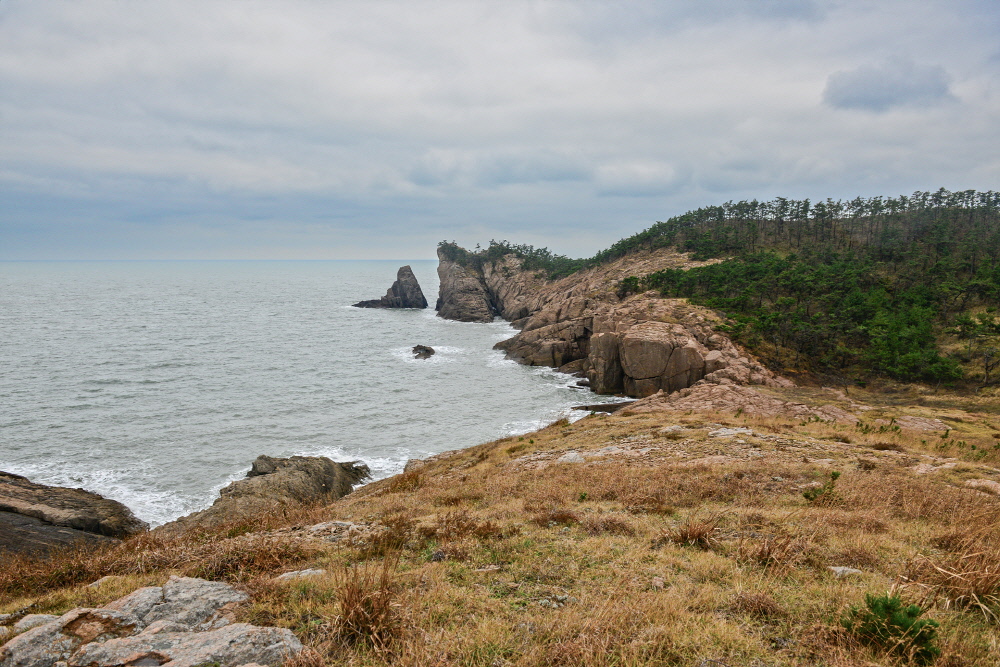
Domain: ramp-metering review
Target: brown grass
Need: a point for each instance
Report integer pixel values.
(695, 532)
(368, 606)
(608, 523)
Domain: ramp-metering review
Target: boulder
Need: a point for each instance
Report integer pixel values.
(183, 624)
(36, 518)
(422, 352)
(274, 482)
(404, 293)
(235, 644)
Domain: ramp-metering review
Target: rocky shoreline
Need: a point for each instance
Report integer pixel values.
(635, 345)
(36, 519)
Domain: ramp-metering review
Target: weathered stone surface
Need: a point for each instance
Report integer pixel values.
(404, 293)
(55, 517)
(273, 482)
(33, 621)
(139, 602)
(182, 624)
(987, 485)
(46, 644)
(195, 603)
(461, 294)
(300, 574)
(234, 644)
(21, 534)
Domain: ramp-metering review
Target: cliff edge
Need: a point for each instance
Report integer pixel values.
(636, 345)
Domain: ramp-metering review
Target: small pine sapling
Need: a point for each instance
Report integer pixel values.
(884, 622)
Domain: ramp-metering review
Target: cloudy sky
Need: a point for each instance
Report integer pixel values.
(210, 129)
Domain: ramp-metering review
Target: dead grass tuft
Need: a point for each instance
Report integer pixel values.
(695, 532)
(556, 516)
(756, 604)
(607, 523)
(458, 525)
(407, 481)
(368, 606)
(772, 550)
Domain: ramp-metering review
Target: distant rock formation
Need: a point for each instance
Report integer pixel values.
(273, 482)
(636, 345)
(404, 293)
(422, 352)
(35, 518)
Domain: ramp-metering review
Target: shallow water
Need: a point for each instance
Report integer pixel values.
(157, 383)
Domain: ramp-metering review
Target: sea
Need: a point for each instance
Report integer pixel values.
(156, 383)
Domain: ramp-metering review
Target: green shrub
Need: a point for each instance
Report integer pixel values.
(885, 623)
(825, 492)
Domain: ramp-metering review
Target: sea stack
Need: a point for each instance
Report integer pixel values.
(404, 293)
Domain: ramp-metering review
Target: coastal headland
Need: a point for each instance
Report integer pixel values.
(738, 512)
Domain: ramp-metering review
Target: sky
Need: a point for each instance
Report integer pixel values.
(205, 129)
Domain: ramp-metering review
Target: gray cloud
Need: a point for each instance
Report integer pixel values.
(211, 128)
(890, 84)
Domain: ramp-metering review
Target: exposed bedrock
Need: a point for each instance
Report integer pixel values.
(636, 346)
(35, 518)
(462, 295)
(404, 293)
(273, 483)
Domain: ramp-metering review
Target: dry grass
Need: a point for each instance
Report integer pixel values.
(694, 531)
(967, 576)
(478, 561)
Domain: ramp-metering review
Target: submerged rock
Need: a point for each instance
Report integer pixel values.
(35, 518)
(274, 482)
(404, 293)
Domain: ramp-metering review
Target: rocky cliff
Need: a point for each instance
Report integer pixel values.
(636, 345)
(273, 483)
(35, 518)
(404, 293)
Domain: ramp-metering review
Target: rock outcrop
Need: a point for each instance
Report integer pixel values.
(35, 518)
(184, 623)
(422, 352)
(272, 483)
(404, 293)
(462, 296)
(636, 345)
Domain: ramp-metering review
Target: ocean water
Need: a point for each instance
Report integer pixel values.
(157, 383)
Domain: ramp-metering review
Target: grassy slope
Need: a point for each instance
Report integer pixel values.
(673, 548)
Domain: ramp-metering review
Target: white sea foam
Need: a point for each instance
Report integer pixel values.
(158, 383)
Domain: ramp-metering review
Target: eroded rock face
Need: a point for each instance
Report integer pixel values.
(36, 518)
(636, 346)
(404, 293)
(183, 624)
(461, 295)
(273, 482)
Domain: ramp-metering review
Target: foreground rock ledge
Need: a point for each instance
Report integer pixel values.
(404, 293)
(272, 483)
(36, 519)
(184, 623)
